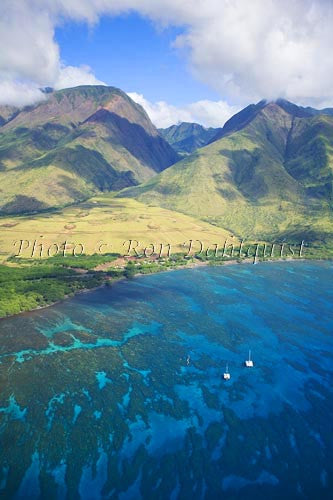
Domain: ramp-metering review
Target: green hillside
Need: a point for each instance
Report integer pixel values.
(186, 137)
(269, 176)
(76, 143)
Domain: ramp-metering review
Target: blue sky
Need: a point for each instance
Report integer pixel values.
(130, 53)
(239, 51)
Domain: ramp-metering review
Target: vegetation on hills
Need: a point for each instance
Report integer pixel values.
(74, 144)
(269, 177)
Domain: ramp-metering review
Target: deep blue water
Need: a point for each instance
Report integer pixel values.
(97, 399)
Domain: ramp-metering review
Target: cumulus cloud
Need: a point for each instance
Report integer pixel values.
(30, 56)
(207, 113)
(264, 49)
(247, 50)
(16, 93)
(71, 76)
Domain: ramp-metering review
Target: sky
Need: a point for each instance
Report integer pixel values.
(130, 53)
(195, 60)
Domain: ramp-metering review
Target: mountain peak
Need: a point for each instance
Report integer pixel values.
(75, 105)
(186, 137)
(246, 115)
(294, 109)
(97, 92)
(77, 141)
(300, 111)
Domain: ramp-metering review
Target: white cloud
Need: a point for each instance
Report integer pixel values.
(247, 50)
(207, 113)
(71, 76)
(264, 49)
(16, 93)
(212, 113)
(30, 57)
(28, 48)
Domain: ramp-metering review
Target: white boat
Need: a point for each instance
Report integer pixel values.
(226, 374)
(249, 362)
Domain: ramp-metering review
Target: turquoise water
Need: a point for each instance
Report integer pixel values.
(97, 399)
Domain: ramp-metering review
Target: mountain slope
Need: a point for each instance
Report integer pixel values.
(246, 115)
(7, 113)
(273, 175)
(186, 137)
(77, 142)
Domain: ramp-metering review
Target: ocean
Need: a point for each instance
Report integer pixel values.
(119, 392)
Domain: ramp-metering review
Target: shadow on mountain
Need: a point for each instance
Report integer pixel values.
(22, 204)
(48, 136)
(90, 166)
(244, 166)
(297, 234)
(150, 150)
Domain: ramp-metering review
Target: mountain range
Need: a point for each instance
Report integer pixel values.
(266, 174)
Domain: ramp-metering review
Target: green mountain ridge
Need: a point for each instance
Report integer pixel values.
(187, 137)
(269, 175)
(246, 115)
(75, 143)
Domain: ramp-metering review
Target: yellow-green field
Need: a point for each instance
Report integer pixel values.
(104, 224)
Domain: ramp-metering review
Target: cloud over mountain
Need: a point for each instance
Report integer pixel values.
(208, 113)
(245, 50)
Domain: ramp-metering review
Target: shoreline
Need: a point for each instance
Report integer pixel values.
(41, 308)
(191, 265)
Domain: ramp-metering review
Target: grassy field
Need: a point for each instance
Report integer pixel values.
(106, 221)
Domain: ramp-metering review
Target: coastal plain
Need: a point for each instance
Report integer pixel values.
(108, 221)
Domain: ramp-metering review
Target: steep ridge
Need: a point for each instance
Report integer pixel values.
(73, 144)
(271, 176)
